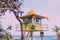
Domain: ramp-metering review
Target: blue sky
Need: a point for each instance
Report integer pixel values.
(49, 8)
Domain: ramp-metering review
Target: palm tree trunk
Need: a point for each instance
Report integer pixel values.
(18, 18)
(57, 36)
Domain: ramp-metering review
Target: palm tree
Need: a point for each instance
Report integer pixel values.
(14, 6)
(56, 29)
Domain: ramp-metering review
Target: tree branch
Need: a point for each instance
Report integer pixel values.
(17, 16)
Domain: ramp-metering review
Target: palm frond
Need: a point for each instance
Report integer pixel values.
(56, 28)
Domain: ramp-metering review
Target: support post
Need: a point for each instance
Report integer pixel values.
(31, 34)
(41, 35)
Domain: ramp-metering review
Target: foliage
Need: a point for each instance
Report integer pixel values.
(56, 29)
(32, 26)
(9, 5)
(7, 36)
(14, 6)
(26, 21)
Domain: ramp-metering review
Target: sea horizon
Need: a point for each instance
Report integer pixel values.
(37, 37)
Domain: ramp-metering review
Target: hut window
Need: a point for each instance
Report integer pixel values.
(38, 21)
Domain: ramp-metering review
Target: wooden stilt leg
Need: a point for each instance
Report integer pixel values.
(31, 34)
(41, 35)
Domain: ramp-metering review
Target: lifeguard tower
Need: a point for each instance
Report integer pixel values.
(34, 19)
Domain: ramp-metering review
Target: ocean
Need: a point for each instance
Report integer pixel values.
(37, 37)
(47, 37)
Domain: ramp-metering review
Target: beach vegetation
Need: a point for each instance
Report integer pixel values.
(7, 36)
(12, 6)
(56, 29)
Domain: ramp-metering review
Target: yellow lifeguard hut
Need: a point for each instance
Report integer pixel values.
(33, 19)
